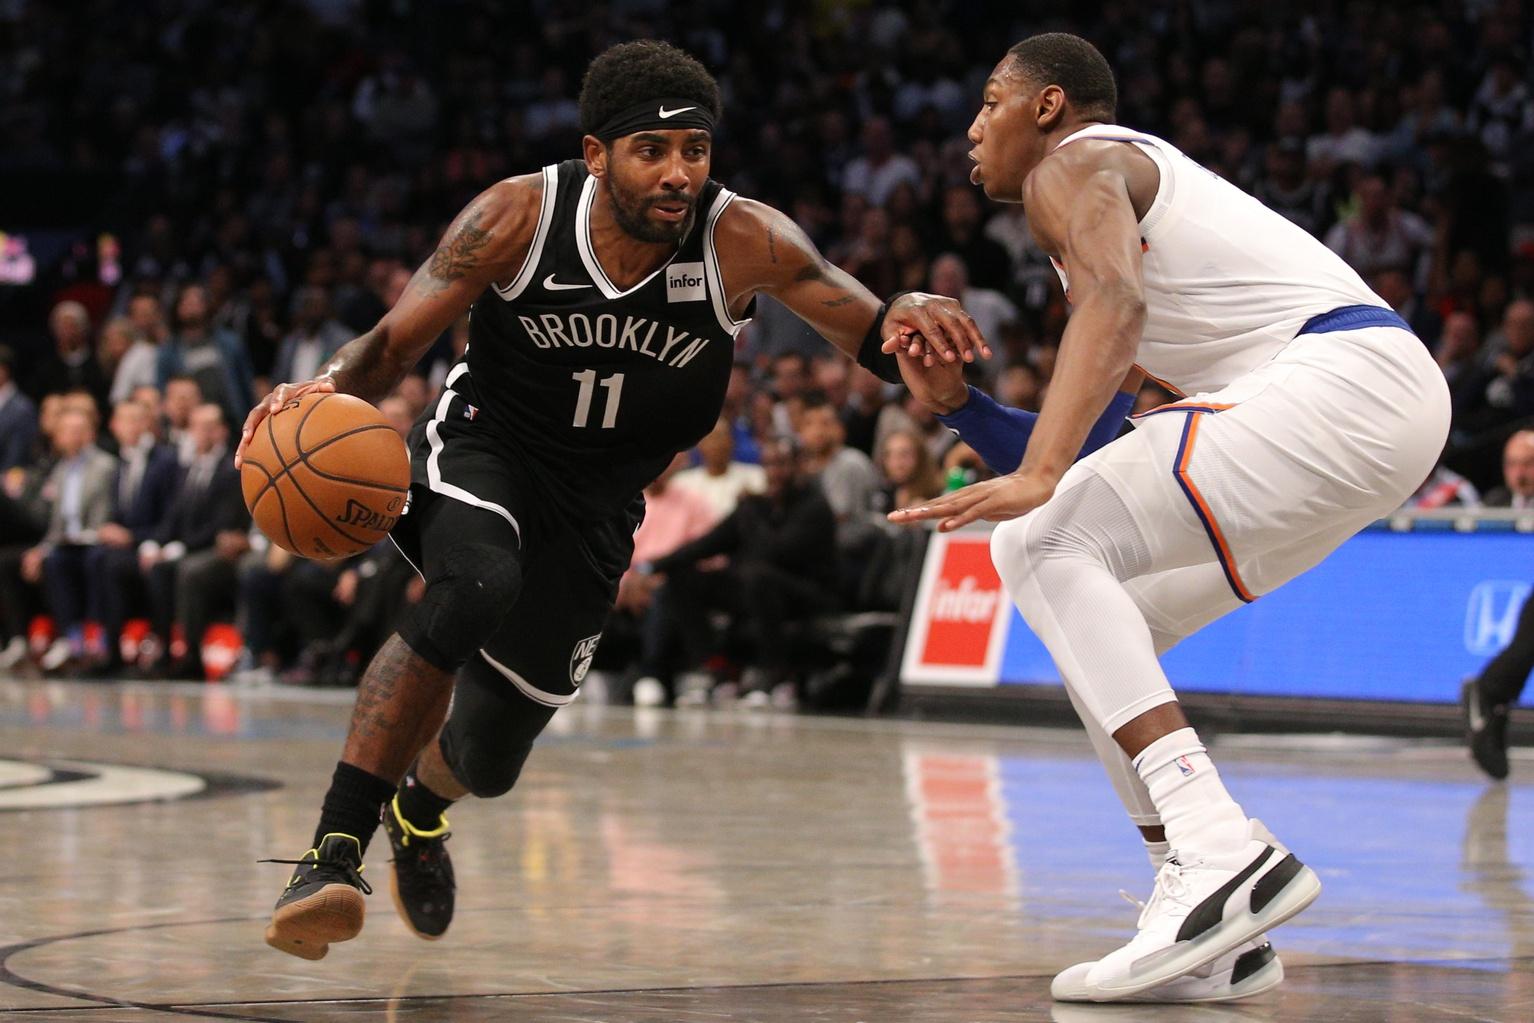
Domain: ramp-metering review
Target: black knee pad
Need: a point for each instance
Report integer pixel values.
(469, 591)
(489, 731)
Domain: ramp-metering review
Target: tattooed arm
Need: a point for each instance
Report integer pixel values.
(762, 251)
(485, 243)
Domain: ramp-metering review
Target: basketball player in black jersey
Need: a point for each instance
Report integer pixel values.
(606, 294)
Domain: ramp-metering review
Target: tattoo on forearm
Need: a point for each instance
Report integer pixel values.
(772, 244)
(458, 255)
(812, 271)
(834, 302)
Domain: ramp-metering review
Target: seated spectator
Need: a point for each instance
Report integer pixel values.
(907, 471)
(1457, 349)
(182, 396)
(790, 379)
(718, 478)
(190, 563)
(1378, 235)
(986, 261)
(1019, 386)
(18, 418)
(846, 476)
(674, 515)
(783, 567)
(1517, 490)
(24, 514)
(872, 411)
(1503, 390)
(215, 359)
(136, 367)
(876, 173)
(71, 365)
(1394, 285)
(147, 476)
(80, 490)
(990, 309)
(313, 339)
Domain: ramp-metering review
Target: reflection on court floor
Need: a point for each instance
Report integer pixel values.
(676, 866)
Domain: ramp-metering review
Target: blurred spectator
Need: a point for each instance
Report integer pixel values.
(992, 311)
(718, 478)
(314, 338)
(18, 418)
(783, 568)
(135, 365)
(961, 233)
(1501, 108)
(1517, 490)
(191, 561)
(674, 515)
(790, 379)
(846, 476)
(215, 359)
(146, 480)
(182, 397)
(71, 364)
(1457, 351)
(871, 412)
(1377, 235)
(1395, 287)
(80, 491)
(907, 471)
(1503, 390)
(1019, 386)
(1344, 140)
(879, 170)
(868, 255)
(1444, 488)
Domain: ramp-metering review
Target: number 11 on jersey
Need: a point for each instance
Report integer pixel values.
(587, 378)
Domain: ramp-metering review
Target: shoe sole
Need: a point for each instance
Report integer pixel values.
(1300, 891)
(307, 928)
(1264, 980)
(399, 907)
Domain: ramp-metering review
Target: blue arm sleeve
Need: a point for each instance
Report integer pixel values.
(1000, 434)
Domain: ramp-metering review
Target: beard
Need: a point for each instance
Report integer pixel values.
(630, 210)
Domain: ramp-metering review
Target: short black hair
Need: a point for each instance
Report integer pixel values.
(630, 73)
(1076, 66)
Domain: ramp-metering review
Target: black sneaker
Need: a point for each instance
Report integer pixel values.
(422, 881)
(323, 900)
(1485, 730)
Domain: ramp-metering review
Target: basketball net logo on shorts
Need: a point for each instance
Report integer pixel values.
(580, 659)
(961, 611)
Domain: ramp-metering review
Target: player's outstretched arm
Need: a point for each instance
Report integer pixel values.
(768, 253)
(486, 242)
(1083, 216)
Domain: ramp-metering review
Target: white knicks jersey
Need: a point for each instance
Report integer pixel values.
(1228, 282)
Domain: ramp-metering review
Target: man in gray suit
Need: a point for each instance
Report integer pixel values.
(80, 489)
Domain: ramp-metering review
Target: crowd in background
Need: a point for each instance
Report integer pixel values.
(239, 188)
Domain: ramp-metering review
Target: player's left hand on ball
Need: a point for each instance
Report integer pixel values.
(997, 500)
(950, 333)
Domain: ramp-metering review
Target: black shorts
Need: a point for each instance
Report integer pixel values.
(468, 486)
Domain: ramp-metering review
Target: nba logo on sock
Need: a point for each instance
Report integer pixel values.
(684, 283)
(1185, 766)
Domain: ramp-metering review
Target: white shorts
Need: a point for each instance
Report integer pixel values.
(1267, 476)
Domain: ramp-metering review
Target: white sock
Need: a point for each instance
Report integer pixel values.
(1157, 852)
(1196, 811)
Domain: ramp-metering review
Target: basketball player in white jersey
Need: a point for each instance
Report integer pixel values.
(1308, 410)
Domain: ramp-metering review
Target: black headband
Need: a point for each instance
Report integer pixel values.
(656, 115)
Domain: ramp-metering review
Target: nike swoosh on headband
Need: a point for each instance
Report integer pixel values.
(550, 284)
(664, 113)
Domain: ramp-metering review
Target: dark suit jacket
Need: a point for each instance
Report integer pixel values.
(156, 491)
(196, 519)
(18, 431)
(55, 376)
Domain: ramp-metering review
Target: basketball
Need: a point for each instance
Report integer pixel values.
(325, 476)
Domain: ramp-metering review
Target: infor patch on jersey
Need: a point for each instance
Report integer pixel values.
(684, 283)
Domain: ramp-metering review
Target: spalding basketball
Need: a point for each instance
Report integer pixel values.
(325, 476)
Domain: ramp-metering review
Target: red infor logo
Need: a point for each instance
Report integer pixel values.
(961, 610)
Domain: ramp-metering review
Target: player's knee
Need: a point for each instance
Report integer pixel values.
(487, 769)
(468, 594)
(1014, 552)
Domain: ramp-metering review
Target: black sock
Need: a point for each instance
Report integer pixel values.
(419, 805)
(352, 804)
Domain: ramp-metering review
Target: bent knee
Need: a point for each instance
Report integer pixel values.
(468, 594)
(487, 770)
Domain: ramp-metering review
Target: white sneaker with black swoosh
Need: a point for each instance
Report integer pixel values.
(1203, 908)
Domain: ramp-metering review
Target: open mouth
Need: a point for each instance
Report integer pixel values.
(974, 172)
(674, 212)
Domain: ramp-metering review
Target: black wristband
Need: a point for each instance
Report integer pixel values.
(871, 357)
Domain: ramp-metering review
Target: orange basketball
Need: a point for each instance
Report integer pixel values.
(325, 477)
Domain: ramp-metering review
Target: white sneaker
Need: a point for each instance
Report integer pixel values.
(1249, 970)
(14, 653)
(56, 656)
(756, 699)
(649, 692)
(1203, 909)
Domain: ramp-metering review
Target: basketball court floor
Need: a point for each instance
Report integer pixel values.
(719, 866)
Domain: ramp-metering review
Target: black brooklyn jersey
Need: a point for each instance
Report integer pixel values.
(591, 388)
